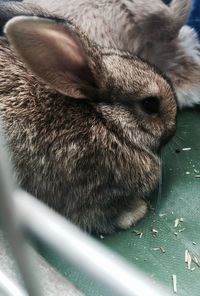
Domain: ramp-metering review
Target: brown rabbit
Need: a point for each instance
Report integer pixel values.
(84, 126)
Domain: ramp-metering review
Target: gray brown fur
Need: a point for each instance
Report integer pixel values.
(94, 159)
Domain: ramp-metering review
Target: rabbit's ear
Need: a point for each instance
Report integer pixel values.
(56, 52)
(180, 11)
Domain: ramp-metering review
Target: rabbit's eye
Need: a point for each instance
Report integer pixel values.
(151, 105)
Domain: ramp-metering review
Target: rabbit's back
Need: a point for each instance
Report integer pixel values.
(41, 128)
(109, 22)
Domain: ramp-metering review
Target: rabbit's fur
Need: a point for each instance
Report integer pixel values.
(150, 29)
(80, 130)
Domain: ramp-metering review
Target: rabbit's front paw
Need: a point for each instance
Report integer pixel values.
(127, 219)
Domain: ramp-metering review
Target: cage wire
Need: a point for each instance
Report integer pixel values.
(66, 239)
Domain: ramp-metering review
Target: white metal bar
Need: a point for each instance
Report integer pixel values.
(52, 283)
(83, 251)
(10, 223)
(8, 287)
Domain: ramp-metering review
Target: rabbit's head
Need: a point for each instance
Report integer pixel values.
(71, 64)
(110, 112)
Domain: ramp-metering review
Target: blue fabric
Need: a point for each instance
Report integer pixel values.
(194, 20)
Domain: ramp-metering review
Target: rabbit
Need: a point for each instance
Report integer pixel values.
(150, 29)
(84, 125)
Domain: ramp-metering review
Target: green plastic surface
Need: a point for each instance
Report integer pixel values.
(178, 197)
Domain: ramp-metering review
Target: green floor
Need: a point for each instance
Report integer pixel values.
(179, 197)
